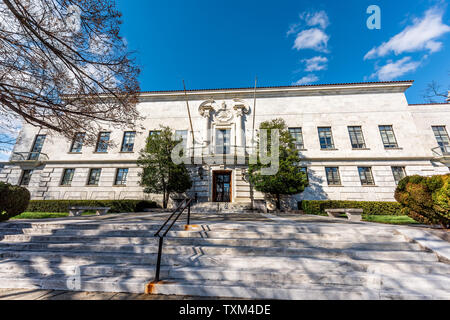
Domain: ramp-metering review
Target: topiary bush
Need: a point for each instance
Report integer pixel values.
(425, 199)
(369, 207)
(117, 206)
(13, 200)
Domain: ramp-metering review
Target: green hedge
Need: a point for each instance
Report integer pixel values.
(13, 200)
(425, 199)
(369, 207)
(116, 206)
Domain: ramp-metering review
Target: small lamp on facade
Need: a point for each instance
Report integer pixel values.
(201, 171)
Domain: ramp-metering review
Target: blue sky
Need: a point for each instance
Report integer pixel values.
(219, 44)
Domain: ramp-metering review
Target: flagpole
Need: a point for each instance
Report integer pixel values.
(254, 113)
(190, 119)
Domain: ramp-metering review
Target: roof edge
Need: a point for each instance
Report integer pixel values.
(404, 82)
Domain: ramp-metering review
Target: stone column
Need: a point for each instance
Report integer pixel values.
(206, 113)
(240, 136)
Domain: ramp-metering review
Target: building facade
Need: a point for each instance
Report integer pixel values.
(356, 142)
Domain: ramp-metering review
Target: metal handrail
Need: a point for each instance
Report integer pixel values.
(186, 203)
(29, 156)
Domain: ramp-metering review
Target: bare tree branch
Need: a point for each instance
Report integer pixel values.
(435, 93)
(64, 66)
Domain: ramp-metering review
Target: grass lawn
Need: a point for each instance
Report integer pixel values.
(45, 215)
(389, 219)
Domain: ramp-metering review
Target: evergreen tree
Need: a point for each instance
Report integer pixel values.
(290, 179)
(160, 175)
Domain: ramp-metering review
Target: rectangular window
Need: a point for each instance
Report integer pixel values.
(77, 142)
(388, 137)
(399, 173)
(296, 133)
(325, 138)
(121, 177)
(154, 132)
(128, 141)
(37, 147)
(365, 175)
(102, 142)
(442, 138)
(67, 177)
(223, 141)
(333, 177)
(94, 177)
(356, 137)
(26, 177)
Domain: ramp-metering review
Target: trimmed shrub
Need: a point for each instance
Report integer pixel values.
(116, 206)
(369, 207)
(13, 200)
(425, 199)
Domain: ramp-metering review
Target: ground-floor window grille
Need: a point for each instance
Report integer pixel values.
(333, 177)
(121, 176)
(67, 177)
(365, 174)
(26, 177)
(94, 177)
(399, 173)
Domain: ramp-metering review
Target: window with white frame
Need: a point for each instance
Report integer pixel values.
(333, 177)
(94, 176)
(356, 137)
(67, 177)
(365, 175)
(442, 138)
(128, 141)
(388, 136)
(297, 135)
(223, 141)
(121, 176)
(399, 173)
(325, 138)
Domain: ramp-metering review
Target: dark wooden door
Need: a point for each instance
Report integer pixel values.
(222, 186)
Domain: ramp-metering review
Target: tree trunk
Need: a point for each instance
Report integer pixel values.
(278, 202)
(165, 199)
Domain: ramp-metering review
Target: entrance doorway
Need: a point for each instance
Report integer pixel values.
(222, 186)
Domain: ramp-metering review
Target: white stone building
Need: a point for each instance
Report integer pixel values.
(356, 140)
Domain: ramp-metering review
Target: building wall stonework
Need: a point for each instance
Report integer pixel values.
(308, 107)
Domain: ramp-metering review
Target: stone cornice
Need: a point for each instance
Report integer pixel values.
(281, 91)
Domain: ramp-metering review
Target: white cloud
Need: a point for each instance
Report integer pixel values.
(5, 154)
(313, 38)
(421, 35)
(293, 28)
(315, 64)
(396, 69)
(306, 79)
(309, 19)
(317, 18)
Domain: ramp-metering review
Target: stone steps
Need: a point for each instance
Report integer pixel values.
(292, 243)
(224, 288)
(223, 227)
(190, 273)
(48, 248)
(262, 260)
(349, 236)
(298, 292)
